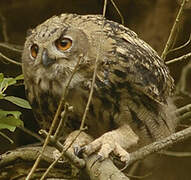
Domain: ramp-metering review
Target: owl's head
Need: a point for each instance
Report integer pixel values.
(54, 45)
(53, 48)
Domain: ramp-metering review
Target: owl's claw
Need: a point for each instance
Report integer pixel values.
(104, 145)
(78, 151)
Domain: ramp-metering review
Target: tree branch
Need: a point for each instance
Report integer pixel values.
(96, 170)
(10, 60)
(17, 163)
(159, 145)
(184, 57)
(173, 31)
(12, 47)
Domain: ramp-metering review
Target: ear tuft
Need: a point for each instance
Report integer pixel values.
(29, 32)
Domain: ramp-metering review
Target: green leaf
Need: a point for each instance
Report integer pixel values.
(6, 82)
(4, 113)
(18, 101)
(19, 77)
(10, 81)
(10, 120)
(10, 123)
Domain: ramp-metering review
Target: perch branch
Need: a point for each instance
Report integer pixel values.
(159, 145)
(96, 170)
(173, 31)
(140, 154)
(101, 171)
(73, 159)
(105, 169)
(16, 163)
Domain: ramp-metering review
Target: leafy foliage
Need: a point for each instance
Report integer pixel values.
(10, 119)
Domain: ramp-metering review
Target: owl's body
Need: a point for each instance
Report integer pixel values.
(132, 85)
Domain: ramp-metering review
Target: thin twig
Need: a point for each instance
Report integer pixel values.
(60, 147)
(6, 137)
(180, 47)
(118, 11)
(4, 28)
(12, 47)
(183, 110)
(182, 83)
(173, 32)
(10, 60)
(63, 152)
(31, 133)
(185, 116)
(59, 109)
(13, 161)
(176, 154)
(61, 122)
(51, 166)
(95, 69)
(184, 57)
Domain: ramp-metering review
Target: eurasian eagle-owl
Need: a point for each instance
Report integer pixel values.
(130, 101)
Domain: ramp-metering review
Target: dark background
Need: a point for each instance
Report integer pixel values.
(152, 20)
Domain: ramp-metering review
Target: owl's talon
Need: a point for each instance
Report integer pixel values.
(78, 151)
(125, 167)
(106, 144)
(99, 157)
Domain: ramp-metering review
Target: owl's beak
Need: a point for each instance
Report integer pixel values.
(46, 60)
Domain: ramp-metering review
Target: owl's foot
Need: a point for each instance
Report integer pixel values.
(115, 141)
(104, 145)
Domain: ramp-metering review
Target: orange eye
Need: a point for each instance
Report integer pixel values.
(34, 50)
(63, 44)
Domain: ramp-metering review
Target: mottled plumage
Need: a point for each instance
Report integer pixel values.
(132, 87)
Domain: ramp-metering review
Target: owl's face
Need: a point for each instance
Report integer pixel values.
(52, 49)
(51, 53)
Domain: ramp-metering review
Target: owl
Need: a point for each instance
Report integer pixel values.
(131, 104)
